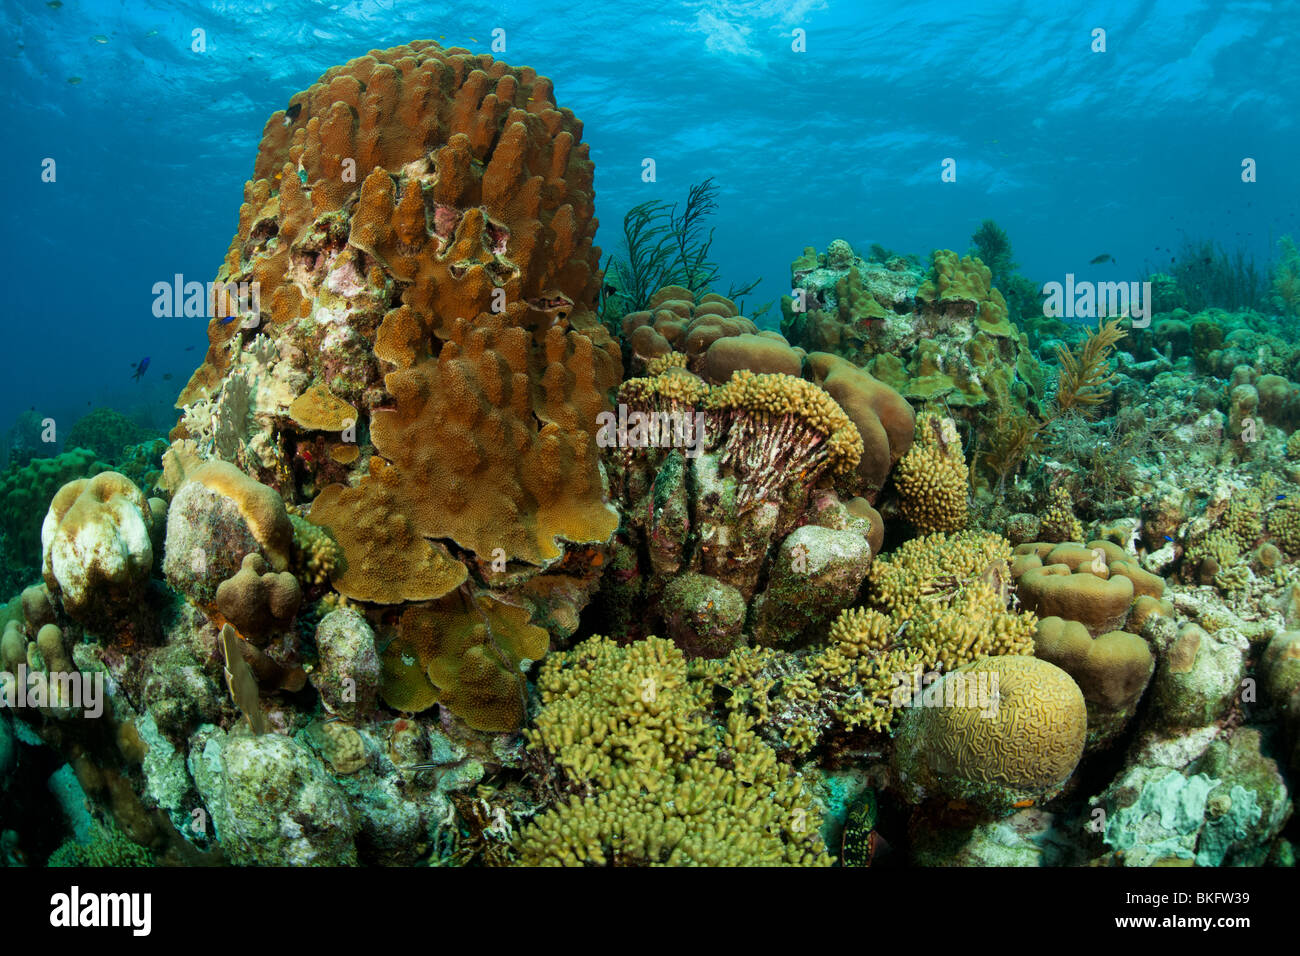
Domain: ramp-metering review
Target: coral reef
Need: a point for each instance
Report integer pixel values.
(420, 577)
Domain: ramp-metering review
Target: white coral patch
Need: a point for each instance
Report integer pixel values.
(113, 549)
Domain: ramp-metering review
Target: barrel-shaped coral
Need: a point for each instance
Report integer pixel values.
(444, 293)
(995, 732)
(97, 551)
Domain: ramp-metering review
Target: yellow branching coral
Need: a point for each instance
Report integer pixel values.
(662, 363)
(937, 603)
(316, 555)
(670, 390)
(655, 780)
(932, 478)
(1284, 525)
(1058, 522)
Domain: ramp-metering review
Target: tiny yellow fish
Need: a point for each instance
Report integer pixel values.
(100, 38)
(473, 39)
(74, 80)
(151, 33)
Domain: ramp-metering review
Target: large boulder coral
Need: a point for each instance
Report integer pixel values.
(424, 372)
(97, 548)
(217, 517)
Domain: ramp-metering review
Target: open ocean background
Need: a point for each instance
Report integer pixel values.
(1131, 152)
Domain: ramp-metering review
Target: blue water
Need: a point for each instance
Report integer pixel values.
(1128, 152)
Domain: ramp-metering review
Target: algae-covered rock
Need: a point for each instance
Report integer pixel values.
(272, 802)
(1157, 815)
(1198, 675)
(1027, 838)
(816, 574)
(348, 671)
(703, 616)
(217, 518)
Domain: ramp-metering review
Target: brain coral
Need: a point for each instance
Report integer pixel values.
(1021, 740)
(420, 224)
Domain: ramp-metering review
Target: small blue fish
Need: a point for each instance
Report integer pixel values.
(1280, 498)
(226, 321)
(1167, 538)
(140, 368)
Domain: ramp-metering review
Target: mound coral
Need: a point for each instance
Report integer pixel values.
(711, 336)
(257, 600)
(97, 544)
(106, 432)
(218, 516)
(420, 224)
(1086, 597)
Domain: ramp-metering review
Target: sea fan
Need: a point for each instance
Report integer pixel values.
(1085, 373)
